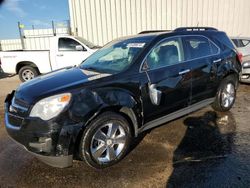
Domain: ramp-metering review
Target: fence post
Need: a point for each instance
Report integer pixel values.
(53, 28)
(69, 28)
(21, 35)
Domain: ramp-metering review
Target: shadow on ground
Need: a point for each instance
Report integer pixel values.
(206, 155)
(5, 75)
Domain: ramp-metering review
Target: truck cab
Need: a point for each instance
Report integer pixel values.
(68, 49)
(64, 51)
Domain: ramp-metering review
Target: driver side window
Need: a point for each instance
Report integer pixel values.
(169, 52)
(67, 44)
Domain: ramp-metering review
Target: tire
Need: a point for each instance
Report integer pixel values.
(27, 73)
(113, 145)
(226, 94)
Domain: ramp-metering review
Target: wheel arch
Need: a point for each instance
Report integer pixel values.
(232, 73)
(125, 111)
(25, 63)
(231, 67)
(111, 100)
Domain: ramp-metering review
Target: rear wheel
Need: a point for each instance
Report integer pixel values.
(27, 73)
(106, 140)
(226, 95)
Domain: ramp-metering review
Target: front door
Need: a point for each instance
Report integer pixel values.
(70, 52)
(166, 84)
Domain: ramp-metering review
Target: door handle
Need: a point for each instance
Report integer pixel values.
(217, 60)
(59, 55)
(184, 72)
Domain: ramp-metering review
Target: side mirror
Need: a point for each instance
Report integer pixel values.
(79, 48)
(154, 94)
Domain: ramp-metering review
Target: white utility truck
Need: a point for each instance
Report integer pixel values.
(64, 51)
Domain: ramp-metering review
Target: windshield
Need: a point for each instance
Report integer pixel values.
(87, 43)
(115, 56)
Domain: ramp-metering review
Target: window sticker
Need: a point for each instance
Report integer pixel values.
(135, 45)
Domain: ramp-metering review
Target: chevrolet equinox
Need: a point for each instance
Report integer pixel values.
(94, 111)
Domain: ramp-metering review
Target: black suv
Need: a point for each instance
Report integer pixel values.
(94, 111)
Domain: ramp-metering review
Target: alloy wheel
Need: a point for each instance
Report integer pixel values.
(108, 142)
(228, 95)
(27, 75)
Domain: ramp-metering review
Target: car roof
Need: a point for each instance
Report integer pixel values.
(182, 31)
(177, 32)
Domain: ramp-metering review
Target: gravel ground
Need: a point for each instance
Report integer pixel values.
(204, 149)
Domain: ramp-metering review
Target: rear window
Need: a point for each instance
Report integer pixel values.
(198, 46)
(223, 41)
(239, 43)
(245, 42)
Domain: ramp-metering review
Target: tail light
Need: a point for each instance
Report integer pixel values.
(240, 57)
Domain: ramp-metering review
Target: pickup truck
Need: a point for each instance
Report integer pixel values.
(64, 51)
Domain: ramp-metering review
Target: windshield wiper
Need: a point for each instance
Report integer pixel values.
(92, 69)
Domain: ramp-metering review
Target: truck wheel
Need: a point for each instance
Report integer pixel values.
(226, 94)
(27, 73)
(105, 141)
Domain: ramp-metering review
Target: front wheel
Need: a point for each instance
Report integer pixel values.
(106, 140)
(27, 73)
(226, 95)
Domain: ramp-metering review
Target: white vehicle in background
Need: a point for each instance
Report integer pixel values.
(64, 51)
(242, 44)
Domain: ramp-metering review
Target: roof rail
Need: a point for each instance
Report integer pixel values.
(153, 31)
(195, 29)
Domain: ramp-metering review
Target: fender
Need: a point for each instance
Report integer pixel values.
(19, 65)
(88, 104)
(228, 67)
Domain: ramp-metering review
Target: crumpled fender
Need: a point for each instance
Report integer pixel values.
(88, 103)
(228, 67)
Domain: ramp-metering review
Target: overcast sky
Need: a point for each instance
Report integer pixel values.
(30, 12)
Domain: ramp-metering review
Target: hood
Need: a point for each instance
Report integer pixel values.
(54, 82)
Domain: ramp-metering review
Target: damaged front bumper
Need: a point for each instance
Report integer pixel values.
(245, 74)
(48, 141)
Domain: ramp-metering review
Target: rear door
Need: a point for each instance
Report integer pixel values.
(203, 56)
(70, 52)
(168, 80)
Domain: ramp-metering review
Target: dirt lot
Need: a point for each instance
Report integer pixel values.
(204, 149)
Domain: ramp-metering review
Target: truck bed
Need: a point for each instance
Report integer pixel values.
(10, 59)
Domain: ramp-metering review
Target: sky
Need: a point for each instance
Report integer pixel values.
(39, 13)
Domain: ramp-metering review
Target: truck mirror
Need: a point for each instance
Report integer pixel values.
(79, 48)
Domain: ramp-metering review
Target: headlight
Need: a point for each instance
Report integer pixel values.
(50, 107)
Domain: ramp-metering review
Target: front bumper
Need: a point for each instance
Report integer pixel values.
(41, 138)
(245, 73)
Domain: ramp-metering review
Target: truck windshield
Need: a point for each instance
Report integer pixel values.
(115, 56)
(87, 43)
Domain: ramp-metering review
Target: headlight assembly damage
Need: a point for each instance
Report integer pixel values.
(51, 106)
